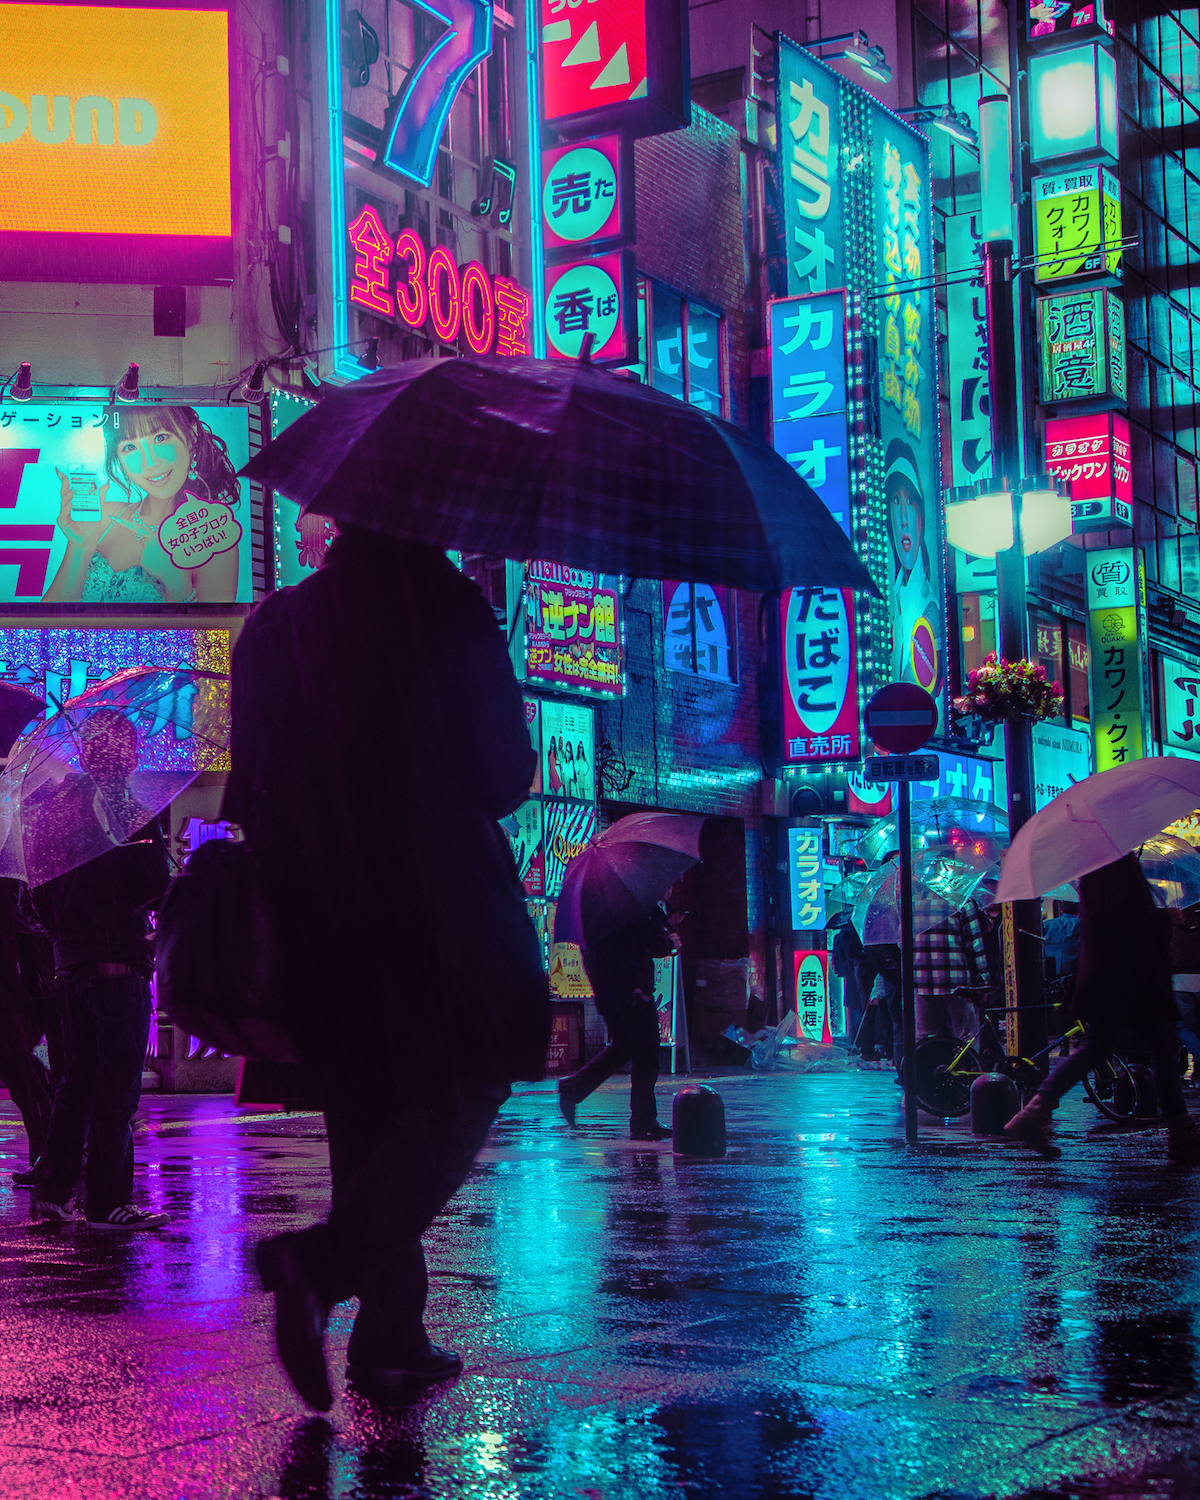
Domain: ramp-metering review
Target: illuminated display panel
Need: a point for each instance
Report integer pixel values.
(115, 145)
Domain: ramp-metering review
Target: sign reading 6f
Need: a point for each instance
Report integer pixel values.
(418, 117)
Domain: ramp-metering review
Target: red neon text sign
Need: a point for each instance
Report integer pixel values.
(492, 313)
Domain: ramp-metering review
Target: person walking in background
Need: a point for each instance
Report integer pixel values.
(1061, 934)
(885, 999)
(1185, 983)
(948, 957)
(1124, 985)
(621, 970)
(27, 1013)
(407, 959)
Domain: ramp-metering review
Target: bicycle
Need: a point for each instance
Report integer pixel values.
(945, 1067)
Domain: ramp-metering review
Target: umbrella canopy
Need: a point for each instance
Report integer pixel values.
(977, 829)
(18, 708)
(83, 781)
(623, 874)
(942, 885)
(549, 459)
(1096, 821)
(1172, 866)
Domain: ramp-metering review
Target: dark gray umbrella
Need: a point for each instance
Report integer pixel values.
(562, 461)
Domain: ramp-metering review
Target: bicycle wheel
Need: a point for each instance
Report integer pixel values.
(938, 1090)
(1112, 1088)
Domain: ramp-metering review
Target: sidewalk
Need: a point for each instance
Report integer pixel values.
(825, 1313)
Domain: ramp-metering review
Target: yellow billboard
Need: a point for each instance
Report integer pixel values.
(1076, 224)
(114, 121)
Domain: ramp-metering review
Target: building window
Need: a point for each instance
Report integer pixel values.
(700, 630)
(682, 348)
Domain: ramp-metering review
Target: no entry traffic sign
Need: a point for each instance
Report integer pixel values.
(901, 717)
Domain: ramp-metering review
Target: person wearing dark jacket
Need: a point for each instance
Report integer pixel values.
(26, 985)
(1124, 984)
(95, 916)
(621, 970)
(406, 956)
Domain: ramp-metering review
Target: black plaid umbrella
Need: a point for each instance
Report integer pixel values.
(535, 458)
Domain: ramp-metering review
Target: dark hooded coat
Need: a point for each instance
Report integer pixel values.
(1124, 950)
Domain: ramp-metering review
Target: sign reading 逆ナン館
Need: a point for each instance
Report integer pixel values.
(573, 630)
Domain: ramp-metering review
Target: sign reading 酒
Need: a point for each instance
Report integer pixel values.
(1081, 336)
(808, 108)
(820, 676)
(808, 394)
(572, 630)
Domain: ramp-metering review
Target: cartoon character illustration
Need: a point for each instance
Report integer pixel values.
(916, 615)
(159, 459)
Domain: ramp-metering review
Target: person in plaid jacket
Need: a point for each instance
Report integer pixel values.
(945, 958)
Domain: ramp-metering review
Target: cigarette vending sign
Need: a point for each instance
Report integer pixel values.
(812, 994)
(820, 676)
(597, 296)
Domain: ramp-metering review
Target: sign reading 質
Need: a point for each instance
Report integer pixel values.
(820, 676)
(808, 108)
(808, 394)
(1081, 336)
(812, 994)
(585, 198)
(572, 630)
(596, 296)
(806, 878)
(1076, 224)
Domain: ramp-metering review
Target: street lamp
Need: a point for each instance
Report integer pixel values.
(982, 518)
(944, 117)
(855, 46)
(1072, 103)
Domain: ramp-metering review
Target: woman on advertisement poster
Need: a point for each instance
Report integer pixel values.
(915, 611)
(172, 537)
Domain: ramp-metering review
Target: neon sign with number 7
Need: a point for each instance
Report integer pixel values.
(419, 116)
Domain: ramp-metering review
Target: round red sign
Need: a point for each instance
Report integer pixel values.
(901, 717)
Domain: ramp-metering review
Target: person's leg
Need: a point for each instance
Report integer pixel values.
(1162, 1042)
(615, 1055)
(1188, 1036)
(895, 1005)
(644, 1044)
(120, 1009)
(24, 1077)
(884, 1032)
(1031, 1123)
(933, 1016)
(62, 1156)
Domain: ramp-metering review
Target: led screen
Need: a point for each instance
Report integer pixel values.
(114, 122)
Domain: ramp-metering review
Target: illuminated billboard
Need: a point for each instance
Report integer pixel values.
(808, 394)
(1076, 224)
(115, 144)
(124, 505)
(573, 630)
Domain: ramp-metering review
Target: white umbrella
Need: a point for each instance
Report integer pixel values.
(1096, 821)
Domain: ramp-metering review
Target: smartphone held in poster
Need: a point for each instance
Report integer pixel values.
(124, 505)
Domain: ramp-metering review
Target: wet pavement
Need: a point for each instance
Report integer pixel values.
(825, 1313)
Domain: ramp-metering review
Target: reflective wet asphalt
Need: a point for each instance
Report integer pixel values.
(825, 1313)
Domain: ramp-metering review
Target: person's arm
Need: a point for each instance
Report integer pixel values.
(217, 581)
(83, 537)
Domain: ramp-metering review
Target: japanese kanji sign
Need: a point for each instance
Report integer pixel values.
(572, 631)
(808, 394)
(584, 194)
(1117, 638)
(967, 349)
(809, 111)
(812, 994)
(175, 465)
(700, 630)
(806, 878)
(595, 296)
(820, 676)
(1180, 699)
(524, 831)
(1076, 224)
(1081, 336)
(1092, 454)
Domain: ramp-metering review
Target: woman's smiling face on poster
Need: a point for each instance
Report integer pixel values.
(157, 463)
(907, 525)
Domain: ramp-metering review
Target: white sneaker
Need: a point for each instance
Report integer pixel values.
(62, 1212)
(128, 1216)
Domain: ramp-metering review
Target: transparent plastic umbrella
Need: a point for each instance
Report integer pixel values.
(86, 779)
(1172, 867)
(938, 821)
(942, 885)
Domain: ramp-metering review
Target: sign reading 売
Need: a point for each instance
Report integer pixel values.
(808, 394)
(966, 343)
(584, 192)
(115, 143)
(809, 110)
(812, 994)
(806, 871)
(1082, 340)
(820, 676)
(1117, 635)
(165, 476)
(1076, 224)
(572, 630)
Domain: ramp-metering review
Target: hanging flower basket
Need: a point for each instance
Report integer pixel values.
(1001, 692)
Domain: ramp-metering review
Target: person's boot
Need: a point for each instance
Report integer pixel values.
(1183, 1140)
(300, 1319)
(567, 1101)
(1031, 1125)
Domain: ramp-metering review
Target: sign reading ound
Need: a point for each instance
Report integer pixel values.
(809, 111)
(1076, 224)
(820, 676)
(808, 394)
(581, 192)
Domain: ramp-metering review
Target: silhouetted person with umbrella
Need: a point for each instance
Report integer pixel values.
(408, 962)
(1124, 985)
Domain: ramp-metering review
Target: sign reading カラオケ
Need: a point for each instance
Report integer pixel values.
(123, 504)
(808, 394)
(806, 871)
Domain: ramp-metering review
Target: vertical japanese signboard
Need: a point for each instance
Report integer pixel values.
(908, 403)
(597, 296)
(1117, 635)
(820, 676)
(808, 394)
(806, 878)
(572, 630)
(966, 341)
(812, 994)
(1180, 699)
(1081, 338)
(1092, 454)
(1076, 224)
(585, 194)
(808, 108)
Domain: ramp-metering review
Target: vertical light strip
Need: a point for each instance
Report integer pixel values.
(537, 278)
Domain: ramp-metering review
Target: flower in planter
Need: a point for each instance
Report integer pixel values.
(1001, 690)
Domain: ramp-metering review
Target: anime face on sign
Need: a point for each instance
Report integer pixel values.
(907, 521)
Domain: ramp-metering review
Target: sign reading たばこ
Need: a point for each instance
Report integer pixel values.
(820, 676)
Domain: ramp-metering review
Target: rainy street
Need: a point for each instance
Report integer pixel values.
(825, 1312)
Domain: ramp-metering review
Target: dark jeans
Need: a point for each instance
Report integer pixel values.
(394, 1169)
(1189, 1034)
(633, 1025)
(1161, 1041)
(106, 1025)
(21, 1028)
(876, 1032)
